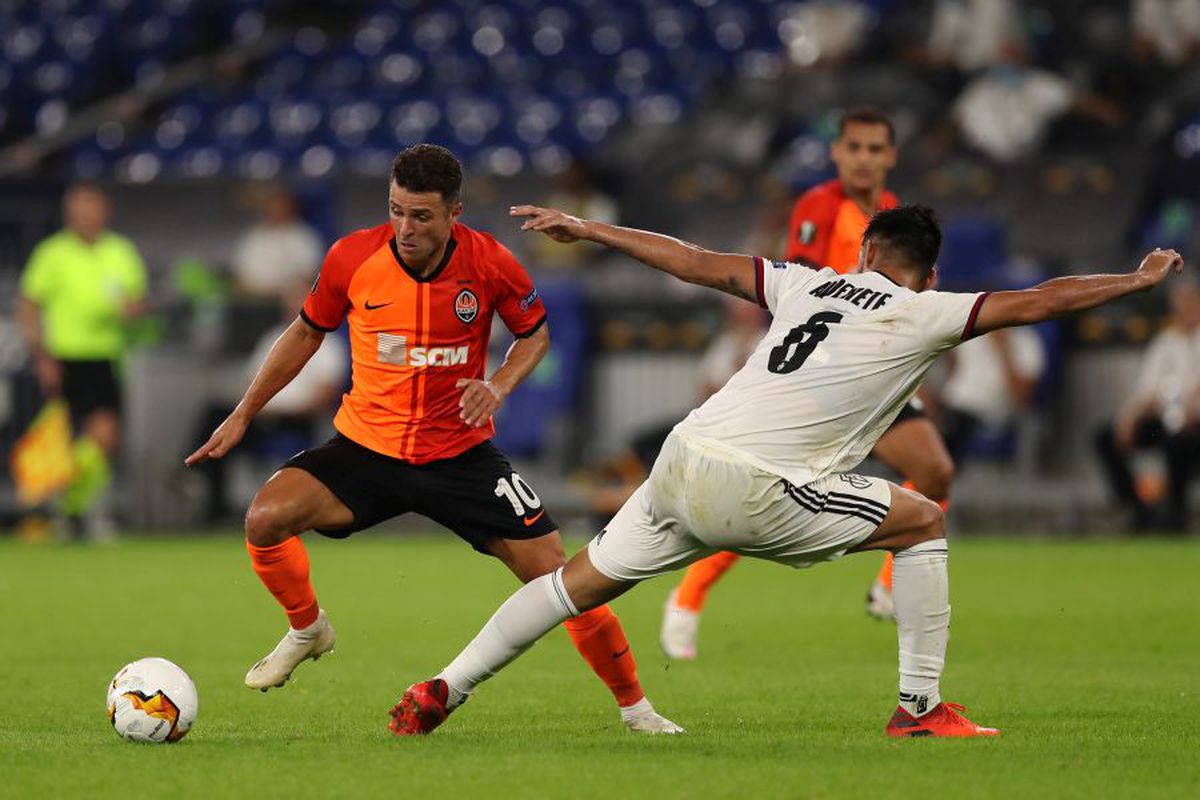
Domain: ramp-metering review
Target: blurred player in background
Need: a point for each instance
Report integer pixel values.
(79, 290)
(826, 230)
(763, 467)
(414, 432)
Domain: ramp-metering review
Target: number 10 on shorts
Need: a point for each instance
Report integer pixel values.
(519, 493)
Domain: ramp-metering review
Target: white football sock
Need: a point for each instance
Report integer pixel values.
(532, 611)
(921, 591)
(640, 707)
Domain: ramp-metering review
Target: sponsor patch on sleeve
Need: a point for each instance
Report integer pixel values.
(528, 300)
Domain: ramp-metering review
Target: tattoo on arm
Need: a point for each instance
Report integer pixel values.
(731, 285)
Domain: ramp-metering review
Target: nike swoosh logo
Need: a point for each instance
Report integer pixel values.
(623, 652)
(372, 308)
(529, 521)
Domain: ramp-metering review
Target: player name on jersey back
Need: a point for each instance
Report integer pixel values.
(864, 297)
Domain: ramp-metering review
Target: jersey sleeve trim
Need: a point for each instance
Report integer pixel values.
(758, 282)
(537, 325)
(312, 324)
(969, 328)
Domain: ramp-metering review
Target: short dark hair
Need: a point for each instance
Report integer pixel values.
(428, 168)
(867, 115)
(911, 233)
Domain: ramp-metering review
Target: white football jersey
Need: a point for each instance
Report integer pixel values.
(841, 358)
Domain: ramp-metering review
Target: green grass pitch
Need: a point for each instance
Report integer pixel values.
(1086, 654)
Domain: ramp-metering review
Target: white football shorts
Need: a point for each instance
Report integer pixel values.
(699, 500)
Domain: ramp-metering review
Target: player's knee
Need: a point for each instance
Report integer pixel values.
(933, 521)
(936, 480)
(266, 524)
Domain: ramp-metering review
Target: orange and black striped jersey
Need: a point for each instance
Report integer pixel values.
(413, 338)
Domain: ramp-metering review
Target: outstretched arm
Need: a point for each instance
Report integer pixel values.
(1061, 296)
(288, 355)
(725, 271)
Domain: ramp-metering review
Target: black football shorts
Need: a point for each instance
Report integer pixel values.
(913, 409)
(88, 387)
(476, 493)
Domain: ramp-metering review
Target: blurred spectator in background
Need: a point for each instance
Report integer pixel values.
(579, 196)
(992, 380)
(1166, 31)
(826, 31)
(78, 291)
(289, 421)
(970, 35)
(1007, 111)
(949, 41)
(1164, 413)
(622, 474)
(277, 252)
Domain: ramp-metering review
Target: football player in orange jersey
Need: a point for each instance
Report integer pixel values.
(826, 229)
(413, 433)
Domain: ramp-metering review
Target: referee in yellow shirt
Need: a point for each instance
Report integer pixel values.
(79, 290)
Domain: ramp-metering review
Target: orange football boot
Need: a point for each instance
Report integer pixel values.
(421, 709)
(943, 720)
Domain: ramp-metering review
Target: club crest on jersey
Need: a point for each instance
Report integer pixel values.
(466, 306)
(808, 231)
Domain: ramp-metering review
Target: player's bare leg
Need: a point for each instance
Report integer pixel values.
(596, 633)
(914, 531)
(528, 615)
(915, 449)
(290, 502)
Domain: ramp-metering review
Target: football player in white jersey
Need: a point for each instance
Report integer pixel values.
(763, 467)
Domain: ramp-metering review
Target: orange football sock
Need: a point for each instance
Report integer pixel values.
(598, 637)
(283, 569)
(692, 591)
(884, 578)
(885, 571)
